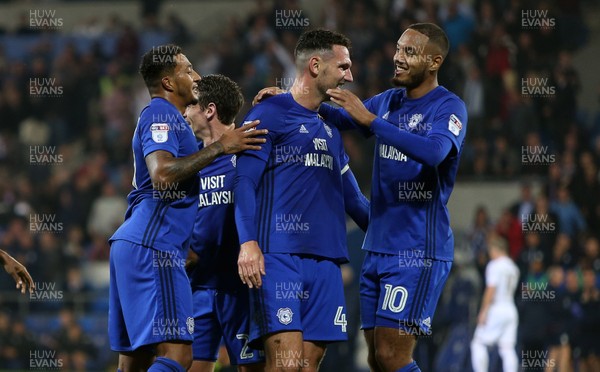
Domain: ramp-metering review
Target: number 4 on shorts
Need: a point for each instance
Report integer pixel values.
(340, 318)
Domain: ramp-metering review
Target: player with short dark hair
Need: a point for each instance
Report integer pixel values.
(150, 305)
(221, 302)
(420, 131)
(290, 199)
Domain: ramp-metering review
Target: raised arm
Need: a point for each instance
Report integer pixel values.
(166, 169)
(446, 133)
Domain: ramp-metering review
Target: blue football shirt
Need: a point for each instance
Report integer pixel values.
(215, 238)
(299, 198)
(409, 199)
(164, 219)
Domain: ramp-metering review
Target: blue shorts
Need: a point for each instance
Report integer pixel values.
(299, 293)
(223, 314)
(401, 292)
(150, 297)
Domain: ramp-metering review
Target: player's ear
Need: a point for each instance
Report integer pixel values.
(210, 111)
(436, 62)
(167, 83)
(314, 65)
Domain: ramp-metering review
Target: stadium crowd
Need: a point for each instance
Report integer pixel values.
(65, 157)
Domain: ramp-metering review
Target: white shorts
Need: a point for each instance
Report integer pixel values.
(500, 327)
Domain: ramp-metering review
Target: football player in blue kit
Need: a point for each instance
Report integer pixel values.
(420, 131)
(290, 203)
(150, 304)
(221, 302)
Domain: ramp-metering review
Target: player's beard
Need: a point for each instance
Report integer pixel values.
(413, 81)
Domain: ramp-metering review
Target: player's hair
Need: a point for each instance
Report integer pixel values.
(158, 62)
(224, 93)
(318, 41)
(498, 243)
(436, 35)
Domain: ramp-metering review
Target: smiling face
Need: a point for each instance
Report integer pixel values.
(413, 59)
(336, 69)
(409, 66)
(185, 81)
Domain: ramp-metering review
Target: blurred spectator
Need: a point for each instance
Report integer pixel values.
(107, 212)
(457, 23)
(478, 235)
(557, 330)
(590, 323)
(570, 219)
(525, 205)
(509, 227)
(504, 162)
(563, 253)
(591, 254)
(547, 224)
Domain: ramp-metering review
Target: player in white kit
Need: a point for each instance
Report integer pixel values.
(498, 318)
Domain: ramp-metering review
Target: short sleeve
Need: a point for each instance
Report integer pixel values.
(492, 277)
(157, 134)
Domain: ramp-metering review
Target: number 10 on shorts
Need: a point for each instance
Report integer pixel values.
(389, 300)
(340, 318)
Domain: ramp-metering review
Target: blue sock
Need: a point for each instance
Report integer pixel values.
(162, 364)
(412, 367)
